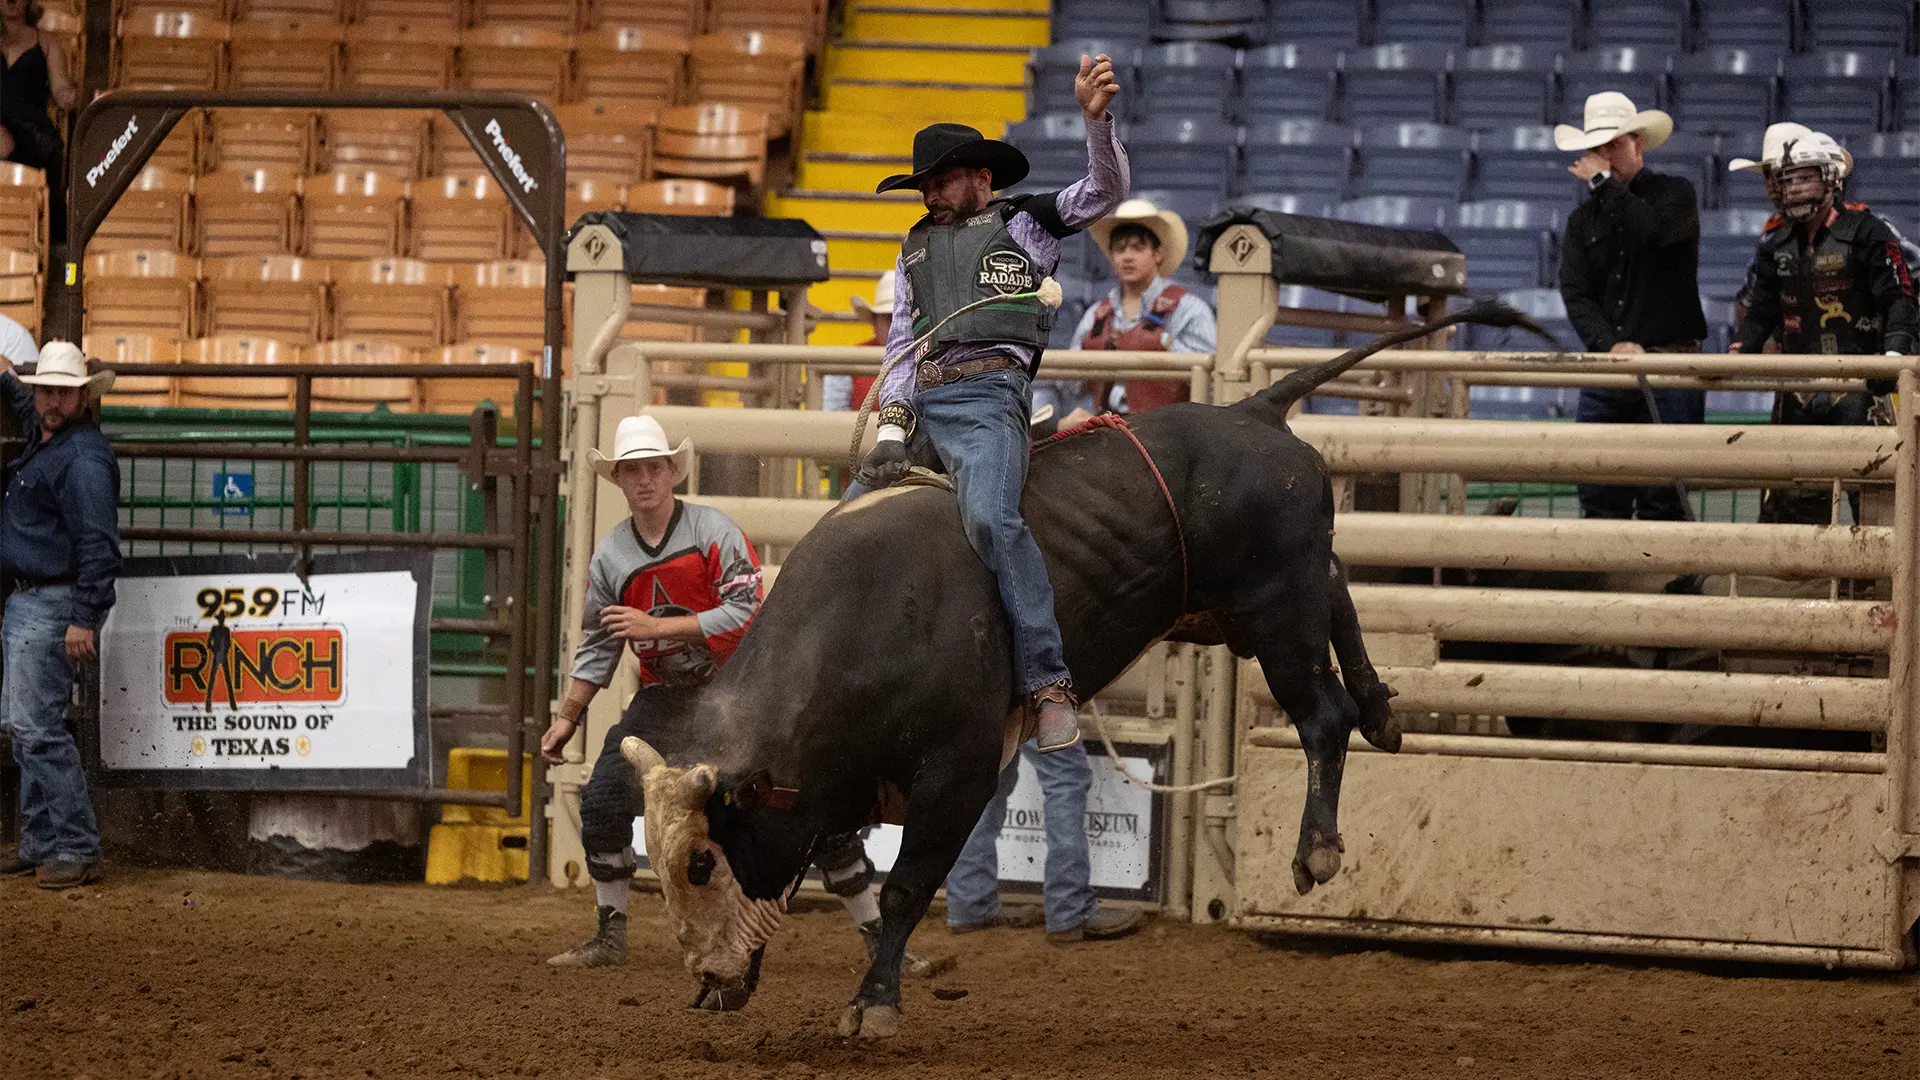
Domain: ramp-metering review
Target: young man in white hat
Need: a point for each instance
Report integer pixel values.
(59, 554)
(844, 393)
(1145, 311)
(1629, 273)
(1829, 277)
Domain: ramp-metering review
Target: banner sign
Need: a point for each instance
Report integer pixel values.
(229, 672)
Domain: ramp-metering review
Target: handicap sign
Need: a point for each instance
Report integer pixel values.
(233, 493)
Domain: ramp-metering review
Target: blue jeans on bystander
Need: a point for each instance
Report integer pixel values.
(973, 886)
(56, 816)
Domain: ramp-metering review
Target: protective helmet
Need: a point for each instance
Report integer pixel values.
(1817, 149)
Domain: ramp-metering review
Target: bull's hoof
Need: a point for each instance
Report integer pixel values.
(1384, 735)
(1302, 880)
(850, 1022)
(722, 998)
(870, 1021)
(1323, 862)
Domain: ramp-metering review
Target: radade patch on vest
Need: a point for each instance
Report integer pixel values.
(1006, 272)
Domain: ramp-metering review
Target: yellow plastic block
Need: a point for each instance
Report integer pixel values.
(837, 293)
(469, 852)
(1039, 6)
(861, 176)
(949, 29)
(908, 64)
(848, 215)
(472, 768)
(837, 333)
(879, 255)
(930, 102)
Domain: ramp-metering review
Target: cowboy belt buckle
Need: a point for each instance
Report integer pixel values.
(930, 374)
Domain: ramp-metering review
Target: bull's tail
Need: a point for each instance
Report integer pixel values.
(1273, 402)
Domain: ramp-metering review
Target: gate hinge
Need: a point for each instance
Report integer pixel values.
(1895, 845)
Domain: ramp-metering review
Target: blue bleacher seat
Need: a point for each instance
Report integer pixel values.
(1545, 306)
(1437, 21)
(1333, 23)
(1124, 20)
(1723, 90)
(1740, 190)
(1745, 24)
(1839, 92)
(1552, 24)
(1303, 296)
(1311, 157)
(1289, 80)
(1507, 244)
(1636, 71)
(1054, 68)
(1284, 202)
(1396, 211)
(1522, 163)
(1727, 239)
(1191, 78)
(1501, 85)
(1188, 152)
(1393, 82)
(1904, 108)
(1859, 24)
(1423, 160)
(1719, 315)
(1657, 24)
(1243, 22)
(1195, 207)
(1886, 174)
(1691, 157)
(1056, 149)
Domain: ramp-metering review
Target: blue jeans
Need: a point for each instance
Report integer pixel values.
(56, 818)
(1659, 502)
(973, 885)
(977, 427)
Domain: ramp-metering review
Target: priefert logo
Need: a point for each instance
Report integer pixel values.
(113, 152)
(507, 154)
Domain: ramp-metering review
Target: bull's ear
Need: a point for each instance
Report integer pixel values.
(695, 785)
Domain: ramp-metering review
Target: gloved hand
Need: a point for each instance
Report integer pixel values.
(885, 465)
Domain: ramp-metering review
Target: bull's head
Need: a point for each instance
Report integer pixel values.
(718, 926)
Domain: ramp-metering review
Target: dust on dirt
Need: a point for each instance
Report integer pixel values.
(194, 974)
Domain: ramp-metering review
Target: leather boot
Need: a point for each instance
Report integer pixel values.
(606, 948)
(1059, 720)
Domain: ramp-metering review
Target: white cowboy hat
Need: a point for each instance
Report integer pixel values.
(1165, 225)
(63, 364)
(1774, 141)
(636, 439)
(882, 298)
(1609, 115)
(1806, 143)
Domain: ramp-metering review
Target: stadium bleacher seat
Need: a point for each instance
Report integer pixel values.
(1727, 239)
(399, 56)
(1838, 92)
(1886, 175)
(700, 198)
(559, 16)
(1546, 307)
(361, 392)
(1508, 244)
(1655, 24)
(1873, 25)
(404, 301)
(1694, 158)
(586, 194)
(752, 70)
(23, 208)
(713, 142)
(1056, 148)
(459, 218)
(171, 50)
(1521, 163)
(680, 17)
(1396, 211)
(411, 12)
(1307, 157)
(289, 54)
(1126, 20)
(501, 303)
(353, 215)
(631, 63)
(1634, 70)
(1547, 24)
(462, 395)
(1443, 22)
(803, 20)
(1282, 202)
(180, 151)
(1293, 80)
(225, 392)
(279, 296)
(1304, 297)
(1422, 160)
(1498, 86)
(1327, 23)
(388, 141)
(152, 214)
(21, 300)
(1190, 78)
(1723, 90)
(609, 141)
(246, 139)
(1053, 70)
(246, 213)
(334, 11)
(448, 151)
(1745, 24)
(1394, 82)
(1187, 152)
(523, 59)
(131, 347)
(1242, 22)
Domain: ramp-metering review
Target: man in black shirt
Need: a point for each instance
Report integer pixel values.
(1629, 274)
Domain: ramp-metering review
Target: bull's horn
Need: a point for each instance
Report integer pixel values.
(696, 784)
(643, 757)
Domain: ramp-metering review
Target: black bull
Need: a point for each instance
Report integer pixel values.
(881, 662)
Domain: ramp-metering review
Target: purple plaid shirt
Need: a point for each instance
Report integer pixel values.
(1086, 201)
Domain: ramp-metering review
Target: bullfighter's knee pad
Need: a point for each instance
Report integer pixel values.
(607, 810)
(611, 865)
(844, 865)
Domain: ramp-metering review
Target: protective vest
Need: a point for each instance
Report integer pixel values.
(1827, 301)
(1150, 334)
(951, 266)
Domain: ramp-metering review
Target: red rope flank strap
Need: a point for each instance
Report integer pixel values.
(1119, 423)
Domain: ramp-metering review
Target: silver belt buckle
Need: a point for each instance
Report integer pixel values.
(931, 375)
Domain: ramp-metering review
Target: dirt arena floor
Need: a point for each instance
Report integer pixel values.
(189, 974)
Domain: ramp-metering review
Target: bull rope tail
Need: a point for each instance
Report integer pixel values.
(1049, 293)
(1100, 721)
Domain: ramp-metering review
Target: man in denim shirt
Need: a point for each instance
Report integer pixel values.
(59, 554)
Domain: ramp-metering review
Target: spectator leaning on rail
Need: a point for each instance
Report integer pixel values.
(1630, 276)
(962, 394)
(1145, 311)
(59, 555)
(1828, 277)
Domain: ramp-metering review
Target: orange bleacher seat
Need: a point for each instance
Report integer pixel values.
(459, 218)
(405, 301)
(711, 141)
(630, 63)
(182, 149)
(673, 296)
(399, 55)
(210, 10)
(149, 292)
(560, 15)
(683, 17)
(284, 54)
(117, 350)
(392, 142)
(276, 296)
(67, 28)
(173, 50)
(805, 20)
(519, 58)
(397, 394)
(154, 213)
(462, 395)
(696, 197)
(584, 194)
(448, 151)
(750, 69)
(447, 13)
(353, 215)
(222, 392)
(607, 141)
(23, 207)
(501, 302)
(20, 301)
(246, 213)
(244, 139)
(334, 11)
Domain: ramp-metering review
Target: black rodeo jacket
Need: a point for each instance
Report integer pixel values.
(1848, 291)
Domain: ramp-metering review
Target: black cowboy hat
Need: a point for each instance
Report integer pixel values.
(945, 146)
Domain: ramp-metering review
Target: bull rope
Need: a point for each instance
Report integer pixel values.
(1113, 755)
